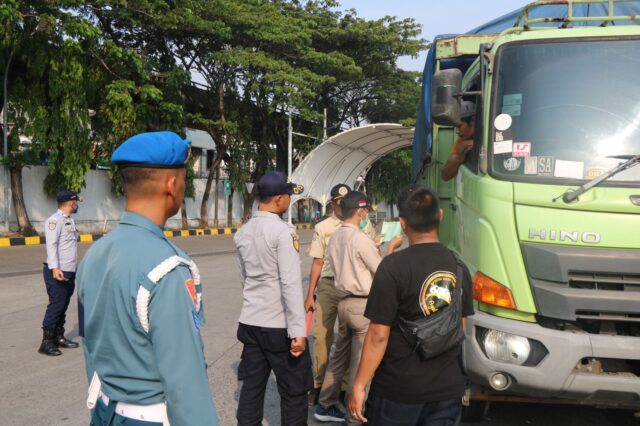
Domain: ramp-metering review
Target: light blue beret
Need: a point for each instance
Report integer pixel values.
(164, 150)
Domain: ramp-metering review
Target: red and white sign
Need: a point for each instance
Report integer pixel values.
(521, 149)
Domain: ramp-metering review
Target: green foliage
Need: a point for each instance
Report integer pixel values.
(390, 174)
(132, 64)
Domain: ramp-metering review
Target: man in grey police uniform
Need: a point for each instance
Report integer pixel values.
(142, 301)
(272, 321)
(59, 272)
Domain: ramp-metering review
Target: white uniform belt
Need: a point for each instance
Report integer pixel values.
(146, 413)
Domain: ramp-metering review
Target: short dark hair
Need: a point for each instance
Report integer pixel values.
(420, 208)
(469, 119)
(133, 177)
(349, 213)
(328, 209)
(265, 199)
(141, 181)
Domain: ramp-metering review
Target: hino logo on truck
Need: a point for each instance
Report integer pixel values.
(560, 235)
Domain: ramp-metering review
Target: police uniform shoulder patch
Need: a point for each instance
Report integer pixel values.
(296, 241)
(52, 224)
(190, 284)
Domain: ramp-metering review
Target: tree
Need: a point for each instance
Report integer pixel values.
(389, 175)
(42, 44)
(132, 63)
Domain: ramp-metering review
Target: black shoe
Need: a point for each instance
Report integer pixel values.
(48, 345)
(313, 396)
(62, 341)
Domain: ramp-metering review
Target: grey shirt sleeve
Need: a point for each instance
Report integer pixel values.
(291, 283)
(53, 236)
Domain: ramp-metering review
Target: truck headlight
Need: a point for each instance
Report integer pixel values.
(500, 346)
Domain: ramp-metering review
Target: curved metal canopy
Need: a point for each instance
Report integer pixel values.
(347, 155)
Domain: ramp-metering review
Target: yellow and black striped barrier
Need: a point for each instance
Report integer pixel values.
(87, 238)
(31, 241)
(196, 232)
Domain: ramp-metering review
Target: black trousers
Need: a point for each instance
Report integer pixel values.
(267, 349)
(59, 296)
(383, 412)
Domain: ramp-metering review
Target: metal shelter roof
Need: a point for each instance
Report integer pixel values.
(347, 155)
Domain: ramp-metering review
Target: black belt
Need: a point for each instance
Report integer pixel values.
(328, 278)
(357, 296)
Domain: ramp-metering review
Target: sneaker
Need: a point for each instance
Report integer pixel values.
(329, 414)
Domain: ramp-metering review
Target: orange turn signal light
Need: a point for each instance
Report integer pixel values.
(491, 292)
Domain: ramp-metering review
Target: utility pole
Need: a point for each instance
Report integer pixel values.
(289, 155)
(324, 126)
(6, 143)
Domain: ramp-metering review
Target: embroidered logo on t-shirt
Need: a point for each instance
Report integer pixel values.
(436, 292)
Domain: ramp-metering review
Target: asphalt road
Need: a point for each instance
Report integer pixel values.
(39, 390)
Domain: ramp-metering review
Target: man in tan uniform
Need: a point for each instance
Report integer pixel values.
(325, 303)
(354, 258)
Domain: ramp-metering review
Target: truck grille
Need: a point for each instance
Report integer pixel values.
(601, 281)
(587, 289)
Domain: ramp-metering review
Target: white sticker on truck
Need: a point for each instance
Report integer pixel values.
(569, 169)
(502, 122)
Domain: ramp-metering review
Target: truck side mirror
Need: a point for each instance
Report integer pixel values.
(445, 100)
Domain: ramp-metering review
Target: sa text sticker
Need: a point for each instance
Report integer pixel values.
(545, 166)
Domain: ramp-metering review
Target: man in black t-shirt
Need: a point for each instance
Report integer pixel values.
(414, 283)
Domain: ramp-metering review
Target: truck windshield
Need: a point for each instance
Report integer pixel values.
(562, 108)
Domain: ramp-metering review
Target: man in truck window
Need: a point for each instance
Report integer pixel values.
(464, 143)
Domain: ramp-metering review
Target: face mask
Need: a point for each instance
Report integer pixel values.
(75, 209)
(363, 223)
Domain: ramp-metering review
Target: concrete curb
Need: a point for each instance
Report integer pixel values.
(87, 238)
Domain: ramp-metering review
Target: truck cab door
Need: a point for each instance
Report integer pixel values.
(444, 138)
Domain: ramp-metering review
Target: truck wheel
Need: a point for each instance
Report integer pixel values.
(476, 411)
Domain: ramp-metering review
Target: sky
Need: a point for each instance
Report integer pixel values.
(435, 16)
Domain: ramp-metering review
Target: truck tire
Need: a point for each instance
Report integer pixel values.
(476, 411)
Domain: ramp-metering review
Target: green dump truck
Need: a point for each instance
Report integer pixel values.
(545, 210)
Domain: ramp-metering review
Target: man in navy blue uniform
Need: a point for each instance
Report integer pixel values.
(59, 272)
(142, 301)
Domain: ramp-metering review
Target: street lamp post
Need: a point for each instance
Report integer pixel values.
(289, 156)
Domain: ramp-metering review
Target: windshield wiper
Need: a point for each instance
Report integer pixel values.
(632, 160)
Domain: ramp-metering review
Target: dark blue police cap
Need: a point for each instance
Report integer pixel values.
(165, 150)
(67, 195)
(276, 183)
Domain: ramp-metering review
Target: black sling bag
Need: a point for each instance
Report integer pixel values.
(434, 335)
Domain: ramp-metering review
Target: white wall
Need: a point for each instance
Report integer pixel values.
(101, 210)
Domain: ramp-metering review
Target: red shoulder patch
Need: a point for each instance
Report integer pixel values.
(191, 288)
